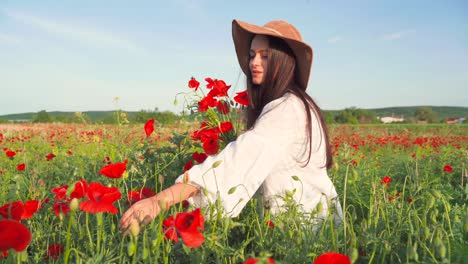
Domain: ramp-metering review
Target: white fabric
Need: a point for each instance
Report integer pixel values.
(267, 157)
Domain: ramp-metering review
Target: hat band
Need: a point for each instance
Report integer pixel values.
(274, 31)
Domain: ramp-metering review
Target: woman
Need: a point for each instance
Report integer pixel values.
(285, 147)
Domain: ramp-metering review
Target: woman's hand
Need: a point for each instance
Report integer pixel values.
(142, 211)
(147, 209)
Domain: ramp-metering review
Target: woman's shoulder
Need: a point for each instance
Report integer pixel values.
(288, 101)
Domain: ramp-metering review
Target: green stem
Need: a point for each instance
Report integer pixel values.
(89, 233)
(98, 232)
(67, 244)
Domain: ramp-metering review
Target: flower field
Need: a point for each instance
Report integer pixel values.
(64, 187)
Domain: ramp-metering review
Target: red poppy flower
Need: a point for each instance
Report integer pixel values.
(149, 127)
(386, 180)
(135, 196)
(54, 251)
(185, 204)
(80, 189)
(188, 165)
(13, 235)
(60, 192)
(169, 229)
(61, 207)
(199, 157)
(242, 98)
(114, 170)
(332, 258)
(270, 223)
(448, 168)
(12, 210)
(188, 225)
(210, 83)
(206, 102)
(50, 156)
(21, 167)
(194, 84)
(218, 88)
(3, 254)
(223, 107)
(225, 127)
(211, 146)
(30, 208)
(210, 141)
(10, 153)
(255, 261)
(100, 199)
(410, 200)
(69, 153)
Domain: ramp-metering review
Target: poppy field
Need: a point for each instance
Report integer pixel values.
(64, 188)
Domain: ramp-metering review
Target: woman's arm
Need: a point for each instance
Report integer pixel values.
(147, 209)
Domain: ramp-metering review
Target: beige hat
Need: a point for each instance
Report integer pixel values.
(243, 32)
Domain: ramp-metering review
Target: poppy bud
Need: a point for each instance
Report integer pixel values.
(164, 203)
(442, 251)
(74, 205)
(134, 228)
(131, 248)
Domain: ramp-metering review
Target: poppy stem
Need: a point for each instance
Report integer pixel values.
(98, 232)
(89, 233)
(67, 243)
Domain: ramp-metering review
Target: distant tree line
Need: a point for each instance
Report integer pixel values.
(350, 115)
(115, 117)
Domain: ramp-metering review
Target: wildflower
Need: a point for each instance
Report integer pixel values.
(199, 157)
(332, 258)
(80, 189)
(169, 229)
(21, 167)
(224, 127)
(194, 84)
(13, 235)
(189, 225)
(188, 165)
(53, 251)
(386, 180)
(13, 211)
(270, 223)
(10, 153)
(223, 107)
(50, 156)
(30, 208)
(100, 199)
(255, 261)
(149, 127)
(135, 196)
(114, 170)
(410, 200)
(448, 168)
(206, 102)
(60, 192)
(61, 207)
(69, 153)
(242, 98)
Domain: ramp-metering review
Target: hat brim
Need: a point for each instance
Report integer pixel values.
(242, 34)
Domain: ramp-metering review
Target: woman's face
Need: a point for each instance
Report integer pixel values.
(258, 55)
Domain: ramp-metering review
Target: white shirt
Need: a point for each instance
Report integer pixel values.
(267, 156)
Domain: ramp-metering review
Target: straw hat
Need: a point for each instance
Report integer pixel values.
(242, 34)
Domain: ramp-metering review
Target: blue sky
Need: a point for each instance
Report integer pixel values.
(80, 55)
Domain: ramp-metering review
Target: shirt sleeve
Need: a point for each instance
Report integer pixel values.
(245, 163)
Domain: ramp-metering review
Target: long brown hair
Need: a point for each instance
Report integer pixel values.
(280, 77)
